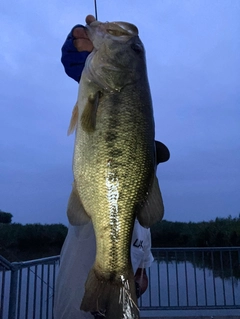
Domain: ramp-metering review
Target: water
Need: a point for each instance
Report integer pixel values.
(180, 284)
(172, 284)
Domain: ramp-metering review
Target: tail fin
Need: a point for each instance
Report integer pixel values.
(115, 299)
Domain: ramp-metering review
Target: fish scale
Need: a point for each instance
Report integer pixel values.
(129, 174)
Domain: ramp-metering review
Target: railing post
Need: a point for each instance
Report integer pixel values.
(13, 293)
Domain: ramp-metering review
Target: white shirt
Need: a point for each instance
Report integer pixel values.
(77, 257)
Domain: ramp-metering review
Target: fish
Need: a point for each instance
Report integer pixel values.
(114, 163)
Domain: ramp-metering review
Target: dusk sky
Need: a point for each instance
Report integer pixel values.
(193, 60)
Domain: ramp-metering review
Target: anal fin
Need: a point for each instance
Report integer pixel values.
(153, 209)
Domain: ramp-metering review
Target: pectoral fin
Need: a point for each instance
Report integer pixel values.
(75, 210)
(88, 118)
(74, 118)
(153, 209)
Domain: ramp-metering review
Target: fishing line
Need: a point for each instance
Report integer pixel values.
(22, 264)
(95, 5)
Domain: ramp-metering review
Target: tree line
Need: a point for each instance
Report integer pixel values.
(221, 232)
(30, 241)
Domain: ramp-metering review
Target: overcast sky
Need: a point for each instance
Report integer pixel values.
(193, 59)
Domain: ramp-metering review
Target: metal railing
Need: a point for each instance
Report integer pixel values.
(193, 278)
(26, 288)
(179, 279)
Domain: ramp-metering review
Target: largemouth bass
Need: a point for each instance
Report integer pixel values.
(114, 163)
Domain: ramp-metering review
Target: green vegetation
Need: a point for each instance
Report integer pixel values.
(24, 242)
(5, 218)
(31, 241)
(222, 232)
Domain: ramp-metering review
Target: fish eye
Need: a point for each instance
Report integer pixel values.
(117, 33)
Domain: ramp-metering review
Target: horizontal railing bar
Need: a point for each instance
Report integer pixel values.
(196, 249)
(5, 263)
(29, 263)
(188, 307)
(46, 260)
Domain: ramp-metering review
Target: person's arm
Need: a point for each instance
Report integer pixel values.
(141, 281)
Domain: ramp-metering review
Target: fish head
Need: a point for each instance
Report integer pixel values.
(118, 56)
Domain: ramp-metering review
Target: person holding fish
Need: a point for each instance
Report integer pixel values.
(95, 270)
